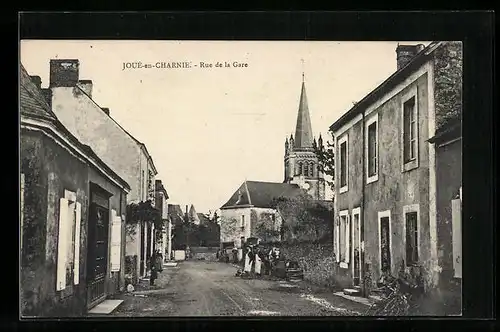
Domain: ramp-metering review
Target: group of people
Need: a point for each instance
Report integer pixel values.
(258, 262)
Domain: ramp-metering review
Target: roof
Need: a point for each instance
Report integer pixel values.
(203, 218)
(160, 187)
(260, 194)
(303, 130)
(33, 104)
(31, 98)
(448, 131)
(389, 83)
(176, 214)
(193, 214)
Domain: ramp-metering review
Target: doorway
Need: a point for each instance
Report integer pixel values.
(97, 254)
(385, 241)
(356, 246)
(143, 242)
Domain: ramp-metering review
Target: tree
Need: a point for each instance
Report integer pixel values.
(304, 218)
(326, 159)
(143, 212)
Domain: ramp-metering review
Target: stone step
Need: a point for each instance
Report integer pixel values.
(352, 292)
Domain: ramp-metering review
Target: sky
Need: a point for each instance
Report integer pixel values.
(209, 129)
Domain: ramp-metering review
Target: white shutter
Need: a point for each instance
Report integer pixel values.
(347, 237)
(337, 239)
(116, 239)
(456, 217)
(62, 244)
(78, 221)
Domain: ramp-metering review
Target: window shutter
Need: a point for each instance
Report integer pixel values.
(116, 234)
(347, 238)
(78, 221)
(456, 217)
(337, 239)
(62, 244)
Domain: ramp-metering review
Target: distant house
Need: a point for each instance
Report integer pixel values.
(209, 231)
(72, 215)
(163, 239)
(71, 100)
(386, 195)
(250, 207)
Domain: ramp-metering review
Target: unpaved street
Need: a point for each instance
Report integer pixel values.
(199, 288)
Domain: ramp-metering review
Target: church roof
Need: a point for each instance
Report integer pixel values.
(261, 194)
(176, 214)
(303, 131)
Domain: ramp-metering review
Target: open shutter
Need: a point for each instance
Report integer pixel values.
(62, 244)
(337, 239)
(78, 221)
(347, 238)
(456, 217)
(116, 239)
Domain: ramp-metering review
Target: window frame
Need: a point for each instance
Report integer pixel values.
(344, 138)
(413, 163)
(242, 222)
(384, 214)
(344, 263)
(407, 209)
(373, 119)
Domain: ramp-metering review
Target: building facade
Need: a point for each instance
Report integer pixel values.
(164, 237)
(71, 100)
(385, 174)
(72, 217)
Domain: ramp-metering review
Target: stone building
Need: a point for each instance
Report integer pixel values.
(71, 100)
(385, 174)
(163, 238)
(72, 215)
(301, 161)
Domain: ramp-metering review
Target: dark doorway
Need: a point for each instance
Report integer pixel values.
(97, 255)
(385, 245)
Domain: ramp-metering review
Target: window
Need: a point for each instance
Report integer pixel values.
(385, 241)
(306, 169)
(372, 149)
(242, 222)
(343, 233)
(409, 131)
(344, 172)
(411, 238)
(311, 170)
(68, 246)
(299, 168)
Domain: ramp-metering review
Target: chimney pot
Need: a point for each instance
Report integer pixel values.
(64, 72)
(405, 53)
(105, 110)
(37, 81)
(86, 86)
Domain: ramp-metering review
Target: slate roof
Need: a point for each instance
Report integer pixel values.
(261, 194)
(31, 99)
(303, 130)
(450, 130)
(176, 214)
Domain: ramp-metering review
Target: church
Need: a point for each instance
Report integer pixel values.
(250, 206)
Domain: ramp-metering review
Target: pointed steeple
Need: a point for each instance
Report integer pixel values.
(303, 130)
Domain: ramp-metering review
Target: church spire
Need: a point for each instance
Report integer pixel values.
(303, 130)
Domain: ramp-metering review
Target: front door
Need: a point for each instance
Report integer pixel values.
(97, 265)
(385, 245)
(356, 248)
(143, 246)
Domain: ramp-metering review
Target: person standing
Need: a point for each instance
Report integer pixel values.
(154, 271)
(248, 267)
(258, 263)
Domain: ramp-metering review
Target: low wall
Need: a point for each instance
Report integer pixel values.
(317, 260)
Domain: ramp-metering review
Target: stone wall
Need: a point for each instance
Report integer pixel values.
(316, 259)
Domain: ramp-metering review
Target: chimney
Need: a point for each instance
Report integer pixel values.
(64, 72)
(37, 81)
(105, 110)
(86, 86)
(405, 53)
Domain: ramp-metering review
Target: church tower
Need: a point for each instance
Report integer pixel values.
(301, 161)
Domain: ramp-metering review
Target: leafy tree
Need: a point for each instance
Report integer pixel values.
(326, 159)
(304, 218)
(143, 212)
